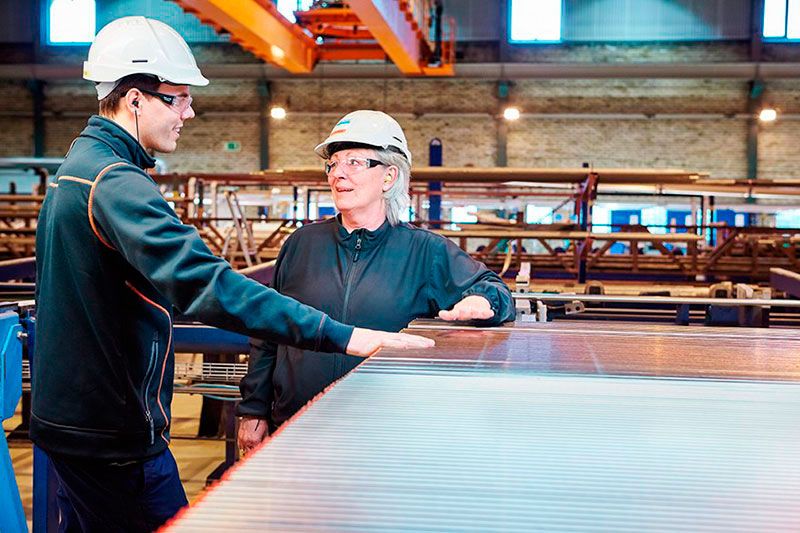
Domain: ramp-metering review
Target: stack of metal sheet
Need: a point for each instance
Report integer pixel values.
(523, 429)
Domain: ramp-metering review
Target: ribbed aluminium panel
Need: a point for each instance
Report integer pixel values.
(476, 20)
(655, 20)
(187, 25)
(411, 444)
(16, 22)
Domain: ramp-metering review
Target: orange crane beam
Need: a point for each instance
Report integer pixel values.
(395, 30)
(257, 26)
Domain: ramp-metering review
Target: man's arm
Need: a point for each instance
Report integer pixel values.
(131, 216)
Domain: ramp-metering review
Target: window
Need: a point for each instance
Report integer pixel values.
(538, 215)
(463, 214)
(534, 21)
(788, 218)
(288, 7)
(71, 22)
(782, 19)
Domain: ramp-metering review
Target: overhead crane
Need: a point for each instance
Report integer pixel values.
(398, 30)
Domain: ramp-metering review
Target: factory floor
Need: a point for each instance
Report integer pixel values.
(196, 457)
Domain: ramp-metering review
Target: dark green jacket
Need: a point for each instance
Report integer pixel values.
(112, 260)
(376, 279)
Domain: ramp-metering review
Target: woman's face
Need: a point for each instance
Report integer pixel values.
(355, 185)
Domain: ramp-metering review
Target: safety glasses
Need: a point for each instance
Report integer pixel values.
(351, 165)
(176, 102)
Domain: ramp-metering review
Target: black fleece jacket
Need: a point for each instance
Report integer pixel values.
(112, 259)
(380, 279)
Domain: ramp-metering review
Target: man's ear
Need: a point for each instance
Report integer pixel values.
(133, 100)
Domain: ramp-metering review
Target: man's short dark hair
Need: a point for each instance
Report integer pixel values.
(108, 105)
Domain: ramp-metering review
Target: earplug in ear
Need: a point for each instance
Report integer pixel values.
(135, 103)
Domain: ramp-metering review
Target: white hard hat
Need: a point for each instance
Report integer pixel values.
(138, 45)
(373, 128)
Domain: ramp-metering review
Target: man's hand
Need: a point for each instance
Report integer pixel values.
(251, 432)
(473, 307)
(368, 342)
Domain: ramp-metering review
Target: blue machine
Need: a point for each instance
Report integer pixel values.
(12, 517)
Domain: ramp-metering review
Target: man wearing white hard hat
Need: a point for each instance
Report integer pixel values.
(364, 267)
(112, 260)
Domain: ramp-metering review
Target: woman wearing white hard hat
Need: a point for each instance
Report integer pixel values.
(365, 267)
(112, 261)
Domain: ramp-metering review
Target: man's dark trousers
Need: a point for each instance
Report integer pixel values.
(134, 496)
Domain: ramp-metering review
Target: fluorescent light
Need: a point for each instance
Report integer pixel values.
(767, 115)
(511, 113)
(277, 112)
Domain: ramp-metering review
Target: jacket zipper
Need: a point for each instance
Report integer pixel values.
(164, 359)
(348, 280)
(146, 387)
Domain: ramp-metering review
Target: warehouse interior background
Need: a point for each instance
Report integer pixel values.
(671, 124)
(632, 84)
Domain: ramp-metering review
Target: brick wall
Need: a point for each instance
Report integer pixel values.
(461, 113)
(201, 146)
(712, 145)
(640, 96)
(16, 130)
(662, 52)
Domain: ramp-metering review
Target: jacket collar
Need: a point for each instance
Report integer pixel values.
(121, 142)
(369, 239)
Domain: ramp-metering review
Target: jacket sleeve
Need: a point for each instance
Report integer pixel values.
(129, 214)
(256, 387)
(456, 275)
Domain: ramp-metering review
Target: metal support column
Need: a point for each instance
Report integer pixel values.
(37, 93)
(263, 122)
(435, 187)
(584, 206)
(502, 125)
(755, 100)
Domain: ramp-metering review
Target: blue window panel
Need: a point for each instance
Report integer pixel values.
(679, 218)
(620, 218)
(731, 217)
(325, 211)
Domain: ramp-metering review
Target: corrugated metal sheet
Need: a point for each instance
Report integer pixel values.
(477, 438)
(16, 22)
(187, 25)
(476, 20)
(655, 20)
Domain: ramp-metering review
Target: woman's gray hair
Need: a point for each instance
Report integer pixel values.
(396, 199)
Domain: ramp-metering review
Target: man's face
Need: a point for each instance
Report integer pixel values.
(160, 122)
